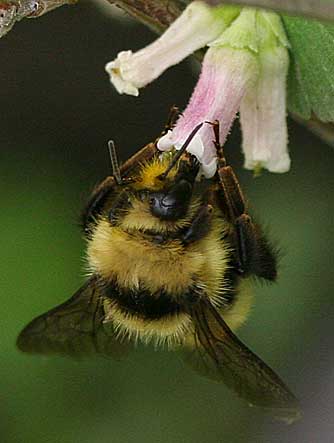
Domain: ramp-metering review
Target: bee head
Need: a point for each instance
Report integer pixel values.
(160, 190)
(171, 202)
(170, 196)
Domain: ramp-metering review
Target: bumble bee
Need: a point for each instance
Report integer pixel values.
(169, 263)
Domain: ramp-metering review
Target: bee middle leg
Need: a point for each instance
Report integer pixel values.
(253, 253)
(200, 225)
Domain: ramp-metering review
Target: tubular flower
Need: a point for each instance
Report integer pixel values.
(244, 69)
(194, 28)
(224, 78)
(263, 109)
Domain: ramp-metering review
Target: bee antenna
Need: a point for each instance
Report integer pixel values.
(181, 151)
(116, 172)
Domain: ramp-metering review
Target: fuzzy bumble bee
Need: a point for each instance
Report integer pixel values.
(170, 262)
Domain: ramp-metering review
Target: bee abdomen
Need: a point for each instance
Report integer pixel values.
(151, 306)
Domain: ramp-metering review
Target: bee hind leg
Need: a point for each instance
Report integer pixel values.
(253, 252)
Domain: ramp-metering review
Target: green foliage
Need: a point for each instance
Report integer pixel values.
(311, 77)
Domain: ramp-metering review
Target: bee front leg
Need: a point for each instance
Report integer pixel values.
(105, 190)
(174, 113)
(253, 252)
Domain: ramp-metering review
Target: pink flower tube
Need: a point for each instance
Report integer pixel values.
(226, 74)
(244, 70)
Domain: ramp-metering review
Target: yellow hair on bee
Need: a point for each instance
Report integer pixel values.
(133, 261)
(167, 331)
(150, 171)
(140, 218)
(127, 255)
(176, 329)
(236, 314)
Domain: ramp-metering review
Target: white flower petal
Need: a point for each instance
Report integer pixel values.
(195, 147)
(209, 169)
(205, 156)
(194, 28)
(263, 114)
(280, 164)
(119, 77)
(166, 143)
(203, 153)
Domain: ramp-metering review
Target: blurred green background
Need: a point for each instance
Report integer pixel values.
(57, 113)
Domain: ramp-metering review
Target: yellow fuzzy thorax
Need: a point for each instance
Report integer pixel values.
(150, 171)
(133, 260)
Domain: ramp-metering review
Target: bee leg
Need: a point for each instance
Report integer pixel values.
(253, 254)
(143, 155)
(172, 117)
(102, 191)
(232, 204)
(256, 255)
(200, 225)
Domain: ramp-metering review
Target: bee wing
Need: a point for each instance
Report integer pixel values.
(220, 355)
(77, 327)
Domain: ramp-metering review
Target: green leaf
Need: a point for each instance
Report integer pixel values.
(311, 76)
(319, 9)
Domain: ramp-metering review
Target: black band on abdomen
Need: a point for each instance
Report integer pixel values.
(148, 305)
